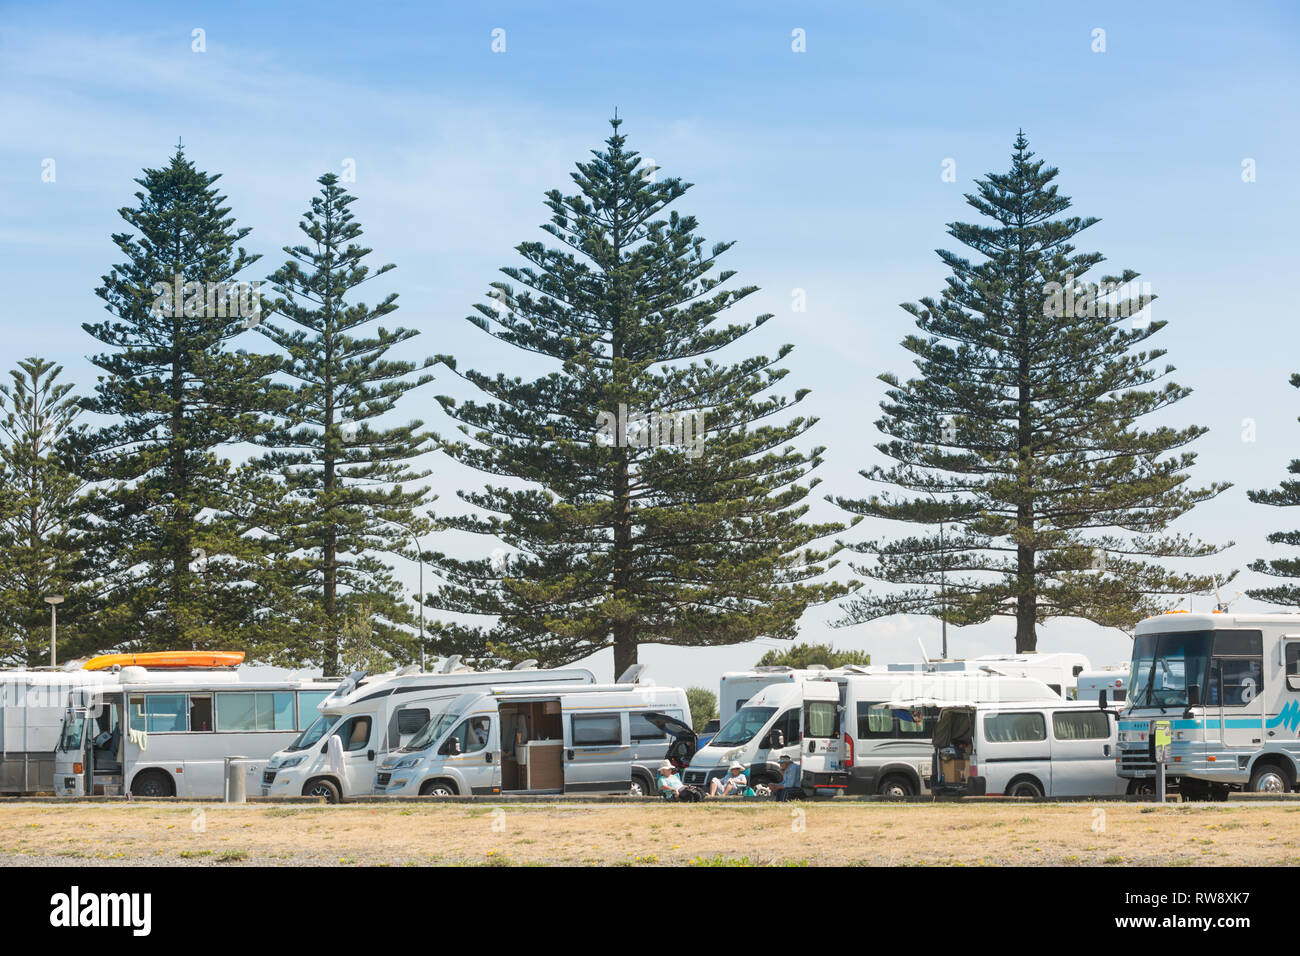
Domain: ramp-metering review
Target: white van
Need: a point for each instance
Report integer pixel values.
(32, 706)
(1112, 680)
(544, 739)
(1027, 749)
(799, 716)
(887, 750)
(375, 715)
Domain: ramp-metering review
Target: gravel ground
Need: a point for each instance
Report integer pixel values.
(653, 833)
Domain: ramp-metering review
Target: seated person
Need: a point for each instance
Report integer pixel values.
(732, 785)
(788, 788)
(669, 781)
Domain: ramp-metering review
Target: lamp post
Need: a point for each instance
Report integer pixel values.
(54, 600)
(419, 557)
(943, 579)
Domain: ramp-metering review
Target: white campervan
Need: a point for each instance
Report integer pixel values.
(544, 739)
(1047, 748)
(371, 716)
(887, 750)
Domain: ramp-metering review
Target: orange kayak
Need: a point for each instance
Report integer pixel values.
(166, 659)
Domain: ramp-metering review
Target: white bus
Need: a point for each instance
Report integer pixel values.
(159, 733)
(32, 704)
(1229, 685)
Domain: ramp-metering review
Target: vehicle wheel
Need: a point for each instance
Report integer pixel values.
(640, 787)
(1269, 778)
(1025, 788)
(896, 786)
(152, 783)
(1141, 788)
(326, 789)
(437, 788)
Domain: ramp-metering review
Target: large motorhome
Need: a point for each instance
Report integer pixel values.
(544, 739)
(373, 716)
(32, 706)
(1229, 684)
(160, 733)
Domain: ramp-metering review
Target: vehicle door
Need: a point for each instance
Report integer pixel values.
(473, 753)
(357, 735)
(597, 754)
(1236, 688)
(820, 744)
(1083, 754)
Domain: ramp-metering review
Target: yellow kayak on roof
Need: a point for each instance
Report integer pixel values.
(166, 659)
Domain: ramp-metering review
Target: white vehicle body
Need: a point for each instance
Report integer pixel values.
(539, 739)
(888, 750)
(169, 732)
(1113, 680)
(1049, 748)
(375, 715)
(1059, 670)
(737, 687)
(1229, 684)
(799, 717)
(32, 706)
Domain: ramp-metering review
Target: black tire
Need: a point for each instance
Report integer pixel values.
(896, 785)
(437, 788)
(153, 783)
(324, 788)
(1270, 778)
(1025, 787)
(641, 786)
(1141, 788)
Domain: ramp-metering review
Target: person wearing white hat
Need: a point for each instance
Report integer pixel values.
(732, 785)
(669, 782)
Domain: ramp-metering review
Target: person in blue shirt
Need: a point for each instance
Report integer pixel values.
(670, 783)
(788, 788)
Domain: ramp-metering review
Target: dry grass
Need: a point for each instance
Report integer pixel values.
(654, 833)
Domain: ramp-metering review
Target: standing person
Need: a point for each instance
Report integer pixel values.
(788, 788)
(733, 785)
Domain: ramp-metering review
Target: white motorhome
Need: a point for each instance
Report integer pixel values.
(373, 716)
(888, 751)
(1229, 684)
(544, 739)
(799, 717)
(161, 733)
(32, 706)
(1113, 680)
(1059, 670)
(1049, 748)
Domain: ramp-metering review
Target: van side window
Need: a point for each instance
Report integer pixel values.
(472, 734)
(411, 719)
(878, 722)
(788, 724)
(641, 729)
(1292, 665)
(1012, 728)
(821, 718)
(1080, 725)
(355, 734)
(159, 713)
(596, 730)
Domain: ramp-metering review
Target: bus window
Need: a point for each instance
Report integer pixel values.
(158, 713)
(1292, 665)
(200, 713)
(309, 706)
(243, 711)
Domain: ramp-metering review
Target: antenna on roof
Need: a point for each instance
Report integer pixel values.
(924, 659)
(449, 664)
(528, 665)
(408, 669)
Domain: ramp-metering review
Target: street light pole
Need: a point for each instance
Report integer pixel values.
(54, 600)
(419, 557)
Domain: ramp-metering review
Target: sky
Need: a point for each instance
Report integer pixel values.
(1176, 125)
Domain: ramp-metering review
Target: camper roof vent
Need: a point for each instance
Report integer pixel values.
(450, 664)
(632, 675)
(528, 665)
(773, 669)
(408, 669)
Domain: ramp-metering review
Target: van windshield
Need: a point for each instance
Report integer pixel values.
(1164, 665)
(313, 734)
(742, 728)
(431, 731)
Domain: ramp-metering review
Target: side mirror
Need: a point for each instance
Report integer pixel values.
(451, 748)
(775, 740)
(1194, 695)
(1101, 699)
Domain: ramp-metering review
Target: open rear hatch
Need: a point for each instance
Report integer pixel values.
(684, 740)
